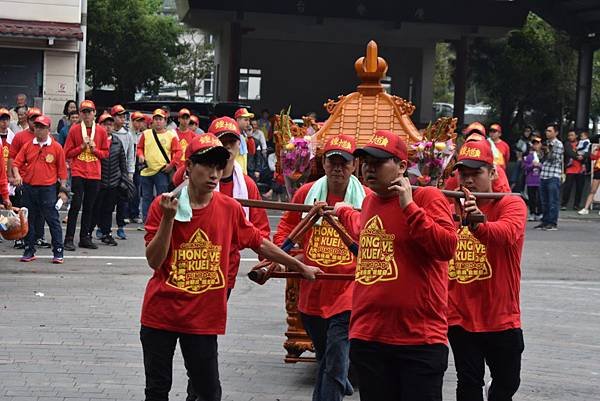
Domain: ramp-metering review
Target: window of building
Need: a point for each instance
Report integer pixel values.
(250, 84)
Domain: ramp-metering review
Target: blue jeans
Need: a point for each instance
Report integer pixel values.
(40, 201)
(549, 195)
(330, 338)
(160, 181)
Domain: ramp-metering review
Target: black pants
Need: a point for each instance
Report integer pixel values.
(104, 207)
(534, 202)
(38, 224)
(84, 193)
(199, 355)
(577, 180)
(399, 372)
(40, 201)
(501, 351)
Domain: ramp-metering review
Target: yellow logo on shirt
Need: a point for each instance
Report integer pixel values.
(470, 259)
(376, 254)
(196, 265)
(326, 248)
(49, 158)
(87, 156)
(5, 152)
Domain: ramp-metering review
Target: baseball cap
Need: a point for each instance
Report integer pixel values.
(105, 116)
(384, 145)
(136, 115)
(184, 112)
(4, 112)
(475, 154)
(87, 105)
(224, 125)
(243, 113)
(43, 120)
(496, 127)
(342, 145)
(474, 127)
(159, 112)
(117, 109)
(204, 143)
(33, 112)
(194, 120)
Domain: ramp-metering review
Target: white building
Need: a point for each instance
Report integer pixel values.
(39, 44)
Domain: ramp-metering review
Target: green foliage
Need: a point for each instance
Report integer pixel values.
(529, 74)
(131, 45)
(196, 63)
(595, 109)
(443, 90)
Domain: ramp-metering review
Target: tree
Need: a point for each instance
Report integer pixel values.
(131, 45)
(595, 104)
(442, 78)
(196, 63)
(530, 74)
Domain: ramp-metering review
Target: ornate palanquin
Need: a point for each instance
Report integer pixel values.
(360, 113)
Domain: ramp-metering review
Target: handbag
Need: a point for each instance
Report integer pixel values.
(126, 188)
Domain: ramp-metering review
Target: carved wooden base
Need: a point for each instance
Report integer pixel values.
(297, 340)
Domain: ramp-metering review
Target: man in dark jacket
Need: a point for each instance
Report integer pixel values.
(114, 167)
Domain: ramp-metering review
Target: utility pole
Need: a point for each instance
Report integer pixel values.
(82, 53)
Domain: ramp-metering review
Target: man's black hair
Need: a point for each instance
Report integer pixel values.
(209, 159)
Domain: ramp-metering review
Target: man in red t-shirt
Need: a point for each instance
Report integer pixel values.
(188, 245)
(184, 133)
(398, 328)
(86, 145)
(43, 162)
(503, 147)
(483, 304)
(325, 305)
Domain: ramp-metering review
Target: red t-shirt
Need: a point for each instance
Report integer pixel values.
(3, 179)
(21, 138)
(485, 274)
(323, 248)
(41, 165)
(86, 164)
(185, 137)
(500, 184)
(188, 293)
(505, 150)
(401, 288)
(258, 218)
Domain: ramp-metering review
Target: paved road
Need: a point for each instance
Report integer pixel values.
(80, 340)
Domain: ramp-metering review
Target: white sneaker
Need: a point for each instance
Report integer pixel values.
(584, 211)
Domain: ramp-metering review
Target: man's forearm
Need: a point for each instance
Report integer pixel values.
(158, 249)
(270, 251)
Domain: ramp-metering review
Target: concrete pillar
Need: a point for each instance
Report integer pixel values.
(427, 72)
(235, 60)
(584, 86)
(460, 80)
(228, 54)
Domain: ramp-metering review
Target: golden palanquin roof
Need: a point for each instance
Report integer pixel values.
(369, 109)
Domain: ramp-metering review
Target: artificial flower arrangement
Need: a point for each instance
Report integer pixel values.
(431, 159)
(293, 149)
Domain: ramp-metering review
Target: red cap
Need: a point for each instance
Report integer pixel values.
(160, 112)
(148, 120)
(475, 154)
(105, 116)
(43, 120)
(4, 112)
(87, 105)
(342, 145)
(496, 127)
(195, 120)
(243, 113)
(117, 109)
(475, 126)
(383, 145)
(204, 143)
(184, 112)
(33, 112)
(136, 115)
(224, 125)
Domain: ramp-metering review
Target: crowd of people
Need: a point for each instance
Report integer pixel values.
(421, 281)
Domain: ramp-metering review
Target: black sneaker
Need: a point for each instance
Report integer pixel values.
(550, 227)
(540, 226)
(69, 245)
(19, 244)
(87, 243)
(563, 208)
(41, 243)
(109, 240)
